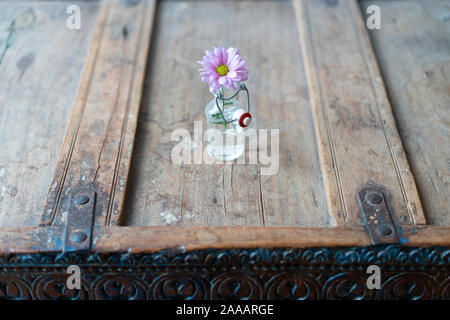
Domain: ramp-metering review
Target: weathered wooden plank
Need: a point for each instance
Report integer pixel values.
(413, 51)
(98, 141)
(40, 63)
(162, 193)
(149, 239)
(357, 136)
(295, 195)
(146, 239)
(31, 239)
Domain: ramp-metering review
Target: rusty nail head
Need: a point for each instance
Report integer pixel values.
(374, 198)
(81, 200)
(78, 236)
(384, 230)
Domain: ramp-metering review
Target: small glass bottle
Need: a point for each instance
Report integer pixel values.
(226, 122)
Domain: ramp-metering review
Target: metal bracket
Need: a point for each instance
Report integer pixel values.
(376, 216)
(80, 220)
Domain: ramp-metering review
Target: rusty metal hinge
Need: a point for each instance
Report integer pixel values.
(80, 220)
(377, 219)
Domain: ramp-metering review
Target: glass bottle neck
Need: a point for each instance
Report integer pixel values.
(227, 92)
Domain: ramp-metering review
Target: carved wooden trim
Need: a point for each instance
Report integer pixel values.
(311, 273)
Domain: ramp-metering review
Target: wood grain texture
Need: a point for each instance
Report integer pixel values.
(295, 195)
(230, 205)
(358, 139)
(150, 239)
(413, 51)
(98, 141)
(40, 65)
(146, 239)
(162, 193)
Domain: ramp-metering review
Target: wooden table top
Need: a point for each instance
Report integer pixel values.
(95, 108)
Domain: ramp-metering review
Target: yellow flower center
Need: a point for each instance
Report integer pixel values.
(222, 70)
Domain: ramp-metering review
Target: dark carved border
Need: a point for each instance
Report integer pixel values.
(313, 273)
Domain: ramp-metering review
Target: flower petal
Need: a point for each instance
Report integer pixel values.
(222, 80)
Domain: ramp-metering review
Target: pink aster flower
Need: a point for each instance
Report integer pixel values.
(223, 67)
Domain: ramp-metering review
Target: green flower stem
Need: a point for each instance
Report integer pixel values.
(223, 106)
